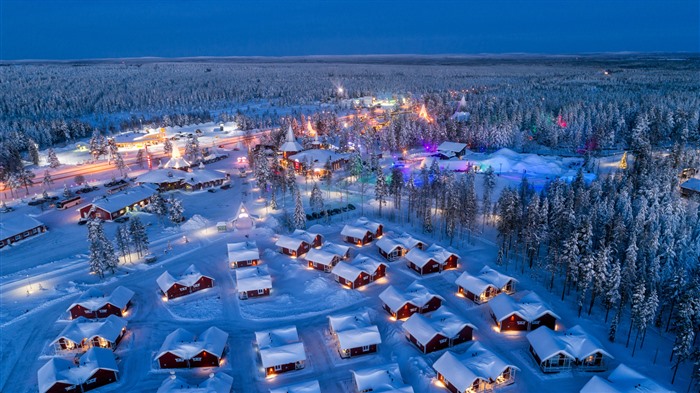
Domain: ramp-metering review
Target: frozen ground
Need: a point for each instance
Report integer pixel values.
(42, 276)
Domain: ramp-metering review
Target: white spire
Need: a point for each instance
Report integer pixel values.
(290, 135)
(462, 103)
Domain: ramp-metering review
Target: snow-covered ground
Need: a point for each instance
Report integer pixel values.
(43, 275)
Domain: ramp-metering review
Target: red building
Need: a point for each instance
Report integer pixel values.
(181, 349)
(355, 334)
(243, 254)
(434, 259)
(114, 206)
(280, 350)
(484, 286)
(298, 243)
(94, 304)
(14, 228)
(253, 282)
(361, 271)
(439, 330)
(97, 367)
(82, 334)
(414, 299)
(190, 281)
(526, 313)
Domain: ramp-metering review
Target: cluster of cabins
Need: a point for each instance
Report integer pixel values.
(84, 349)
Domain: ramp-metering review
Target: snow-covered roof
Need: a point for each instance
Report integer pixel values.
(187, 279)
(494, 277)
(93, 299)
(253, 278)
(14, 224)
(294, 240)
(82, 328)
(280, 346)
(361, 263)
(385, 378)
(473, 284)
(114, 203)
(320, 256)
(176, 161)
(419, 257)
(453, 147)
(529, 307)
(354, 231)
(290, 143)
(623, 380)
(184, 344)
(441, 321)
(318, 157)
(242, 251)
(371, 225)
(347, 271)
(159, 176)
(415, 293)
(477, 362)
(406, 241)
(277, 337)
(355, 338)
(691, 184)
(440, 254)
(338, 323)
(574, 343)
(60, 370)
(337, 249)
(216, 383)
(199, 176)
(304, 387)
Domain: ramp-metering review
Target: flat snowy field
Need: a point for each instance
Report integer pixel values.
(43, 275)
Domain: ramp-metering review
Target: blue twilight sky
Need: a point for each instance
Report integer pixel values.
(75, 29)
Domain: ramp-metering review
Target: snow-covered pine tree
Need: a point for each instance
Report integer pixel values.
(25, 177)
(52, 158)
(316, 199)
(599, 274)
(299, 218)
(157, 206)
(123, 242)
(47, 181)
(138, 235)
(469, 208)
(381, 189)
(102, 257)
(67, 193)
(33, 150)
(119, 163)
(175, 210)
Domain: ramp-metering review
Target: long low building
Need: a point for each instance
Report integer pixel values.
(526, 313)
(14, 228)
(557, 351)
(113, 206)
(94, 304)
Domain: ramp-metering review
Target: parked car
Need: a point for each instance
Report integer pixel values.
(121, 219)
(82, 221)
(150, 258)
(53, 198)
(36, 202)
(212, 190)
(226, 186)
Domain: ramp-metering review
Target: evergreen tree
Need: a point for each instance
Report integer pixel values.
(25, 178)
(123, 241)
(489, 184)
(138, 235)
(157, 205)
(175, 210)
(299, 219)
(120, 164)
(612, 288)
(33, 150)
(316, 199)
(48, 181)
(67, 193)
(53, 159)
(381, 189)
(102, 257)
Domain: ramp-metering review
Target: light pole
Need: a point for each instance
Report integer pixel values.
(29, 286)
